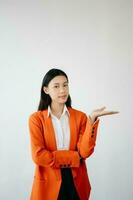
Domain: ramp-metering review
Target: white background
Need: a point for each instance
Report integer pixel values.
(92, 41)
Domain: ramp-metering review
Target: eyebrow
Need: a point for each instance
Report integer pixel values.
(63, 83)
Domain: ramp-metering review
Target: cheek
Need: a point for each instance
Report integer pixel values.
(53, 94)
(67, 90)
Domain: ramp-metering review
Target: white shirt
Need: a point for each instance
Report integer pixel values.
(61, 128)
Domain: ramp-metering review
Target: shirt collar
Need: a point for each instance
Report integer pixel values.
(65, 110)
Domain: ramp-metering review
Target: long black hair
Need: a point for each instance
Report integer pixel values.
(45, 99)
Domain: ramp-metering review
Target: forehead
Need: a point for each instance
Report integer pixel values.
(58, 79)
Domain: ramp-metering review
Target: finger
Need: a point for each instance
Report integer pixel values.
(99, 109)
(109, 113)
(112, 112)
(102, 108)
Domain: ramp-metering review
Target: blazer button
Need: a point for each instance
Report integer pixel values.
(92, 131)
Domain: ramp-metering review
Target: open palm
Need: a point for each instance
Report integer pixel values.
(101, 112)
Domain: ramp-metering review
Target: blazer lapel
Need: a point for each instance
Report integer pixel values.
(49, 133)
(73, 129)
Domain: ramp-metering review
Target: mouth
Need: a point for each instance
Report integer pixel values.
(63, 97)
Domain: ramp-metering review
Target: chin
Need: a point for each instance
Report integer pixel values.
(62, 101)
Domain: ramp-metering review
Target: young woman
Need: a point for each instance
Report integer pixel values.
(61, 140)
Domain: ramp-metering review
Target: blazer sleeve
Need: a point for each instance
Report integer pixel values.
(87, 136)
(40, 155)
(66, 158)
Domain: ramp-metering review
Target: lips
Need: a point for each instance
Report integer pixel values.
(62, 96)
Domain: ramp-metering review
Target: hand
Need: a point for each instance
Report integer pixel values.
(101, 112)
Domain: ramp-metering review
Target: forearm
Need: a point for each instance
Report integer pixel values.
(66, 158)
(57, 158)
(87, 140)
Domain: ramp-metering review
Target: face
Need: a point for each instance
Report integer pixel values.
(58, 89)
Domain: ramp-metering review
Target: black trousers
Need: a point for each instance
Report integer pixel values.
(67, 190)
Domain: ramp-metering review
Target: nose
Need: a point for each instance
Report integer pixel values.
(62, 89)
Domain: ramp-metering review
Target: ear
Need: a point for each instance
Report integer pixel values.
(45, 89)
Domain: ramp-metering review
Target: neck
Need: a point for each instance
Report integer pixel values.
(57, 109)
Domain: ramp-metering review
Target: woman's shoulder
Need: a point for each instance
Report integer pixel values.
(78, 112)
(37, 114)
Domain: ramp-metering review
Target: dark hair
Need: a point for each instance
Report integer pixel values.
(45, 99)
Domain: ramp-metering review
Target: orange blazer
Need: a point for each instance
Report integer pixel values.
(48, 160)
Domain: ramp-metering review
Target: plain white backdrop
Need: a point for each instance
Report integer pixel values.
(92, 42)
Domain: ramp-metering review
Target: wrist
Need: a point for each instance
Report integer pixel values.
(93, 118)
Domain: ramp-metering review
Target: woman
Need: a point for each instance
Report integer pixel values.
(61, 140)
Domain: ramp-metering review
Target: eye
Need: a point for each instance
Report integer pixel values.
(65, 85)
(56, 86)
